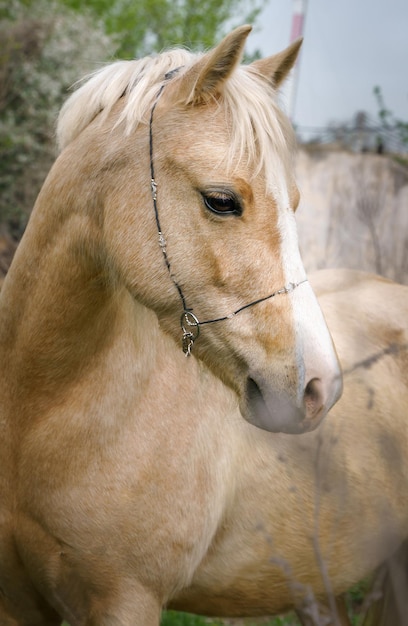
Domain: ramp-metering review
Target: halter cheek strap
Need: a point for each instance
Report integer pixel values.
(189, 322)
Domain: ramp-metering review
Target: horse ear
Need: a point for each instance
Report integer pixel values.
(207, 76)
(277, 67)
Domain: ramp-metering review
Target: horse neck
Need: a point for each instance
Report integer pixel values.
(63, 313)
(59, 305)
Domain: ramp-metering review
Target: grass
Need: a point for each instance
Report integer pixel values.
(354, 600)
(174, 618)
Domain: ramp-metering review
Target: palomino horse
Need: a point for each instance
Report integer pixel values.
(125, 466)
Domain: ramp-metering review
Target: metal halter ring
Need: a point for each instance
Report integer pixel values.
(191, 329)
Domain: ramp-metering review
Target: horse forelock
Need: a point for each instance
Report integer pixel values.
(98, 92)
(260, 132)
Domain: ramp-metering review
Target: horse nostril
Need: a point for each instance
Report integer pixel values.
(313, 399)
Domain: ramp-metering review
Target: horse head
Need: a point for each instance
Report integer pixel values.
(193, 163)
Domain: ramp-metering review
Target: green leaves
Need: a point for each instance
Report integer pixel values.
(387, 117)
(147, 26)
(42, 55)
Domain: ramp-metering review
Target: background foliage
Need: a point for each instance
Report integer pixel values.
(42, 54)
(151, 25)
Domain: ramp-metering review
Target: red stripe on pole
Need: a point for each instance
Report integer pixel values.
(297, 27)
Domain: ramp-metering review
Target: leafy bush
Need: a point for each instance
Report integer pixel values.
(42, 55)
(151, 25)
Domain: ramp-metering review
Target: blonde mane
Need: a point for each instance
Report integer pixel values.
(259, 129)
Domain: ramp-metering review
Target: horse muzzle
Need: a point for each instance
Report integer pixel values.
(276, 411)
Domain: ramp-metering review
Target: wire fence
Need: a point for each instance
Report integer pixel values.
(369, 137)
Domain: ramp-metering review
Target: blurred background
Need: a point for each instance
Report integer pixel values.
(350, 48)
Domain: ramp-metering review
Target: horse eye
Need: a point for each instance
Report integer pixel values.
(222, 204)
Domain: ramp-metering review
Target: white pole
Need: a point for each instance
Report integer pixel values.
(298, 20)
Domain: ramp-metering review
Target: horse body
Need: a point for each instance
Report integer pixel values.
(248, 523)
(88, 471)
(313, 515)
(124, 464)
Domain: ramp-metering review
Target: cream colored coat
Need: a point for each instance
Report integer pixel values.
(131, 477)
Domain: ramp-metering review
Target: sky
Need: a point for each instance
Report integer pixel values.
(349, 47)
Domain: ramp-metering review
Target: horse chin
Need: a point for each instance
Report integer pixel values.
(277, 415)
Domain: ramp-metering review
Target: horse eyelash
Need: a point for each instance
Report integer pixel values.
(211, 198)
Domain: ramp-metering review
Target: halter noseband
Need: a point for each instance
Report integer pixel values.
(189, 322)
